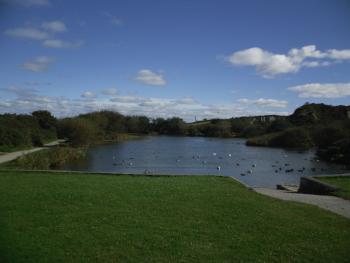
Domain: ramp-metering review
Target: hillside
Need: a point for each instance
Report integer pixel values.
(325, 127)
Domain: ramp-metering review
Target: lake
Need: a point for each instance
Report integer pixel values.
(255, 166)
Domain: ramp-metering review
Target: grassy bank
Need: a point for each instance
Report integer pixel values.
(70, 217)
(9, 149)
(119, 137)
(52, 158)
(343, 182)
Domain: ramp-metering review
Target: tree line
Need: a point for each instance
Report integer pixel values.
(325, 127)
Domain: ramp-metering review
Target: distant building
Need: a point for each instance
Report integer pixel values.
(272, 118)
(267, 118)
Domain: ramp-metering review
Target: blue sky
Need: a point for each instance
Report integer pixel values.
(173, 58)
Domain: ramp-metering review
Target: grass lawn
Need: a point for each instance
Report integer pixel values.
(343, 182)
(67, 217)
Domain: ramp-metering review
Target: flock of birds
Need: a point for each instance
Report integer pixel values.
(277, 167)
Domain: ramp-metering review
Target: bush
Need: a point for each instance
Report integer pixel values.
(338, 152)
(292, 138)
(79, 131)
(193, 131)
(36, 140)
(324, 137)
(279, 125)
(21, 131)
(252, 131)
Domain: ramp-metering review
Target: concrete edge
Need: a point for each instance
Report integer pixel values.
(111, 173)
(310, 185)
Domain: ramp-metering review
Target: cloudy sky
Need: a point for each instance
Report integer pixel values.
(167, 58)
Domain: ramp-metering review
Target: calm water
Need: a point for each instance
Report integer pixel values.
(255, 166)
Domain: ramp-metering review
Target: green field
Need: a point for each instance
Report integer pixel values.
(72, 217)
(343, 182)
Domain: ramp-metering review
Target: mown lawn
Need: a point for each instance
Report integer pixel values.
(70, 217)
(343, 182)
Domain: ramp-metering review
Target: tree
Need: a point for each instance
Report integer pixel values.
(79, 131)
(45, 119)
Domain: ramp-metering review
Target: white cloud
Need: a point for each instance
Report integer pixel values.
(46, 34)
(88, 95)
(38, 64)
(54, 26)
(126, 99)
(5, 104)
(186, 101)
(28, 100)
(110, 92)
(155, 103)
(339, 54)
(325, 90)
(273, 103)
(149, 77)
(20, 92)
(57, 43)
(266, 63)
(27, 32)
(269, 64)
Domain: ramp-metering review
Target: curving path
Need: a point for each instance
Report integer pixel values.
(332, 203)
(14, 155)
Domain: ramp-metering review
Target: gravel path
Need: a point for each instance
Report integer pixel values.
(14, 155)
(335, 204)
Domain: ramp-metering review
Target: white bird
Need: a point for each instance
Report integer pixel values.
(219, 167)
(229, 155)
(214, 154)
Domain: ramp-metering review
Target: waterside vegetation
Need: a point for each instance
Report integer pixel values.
(52, 158)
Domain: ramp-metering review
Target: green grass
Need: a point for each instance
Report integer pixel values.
(343, 182)
(198, 123)
(8, 149)
(72, 217)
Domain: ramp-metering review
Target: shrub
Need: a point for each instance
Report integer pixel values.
(338, 152)
(292, 138)
(324, 137)
(79, 131)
